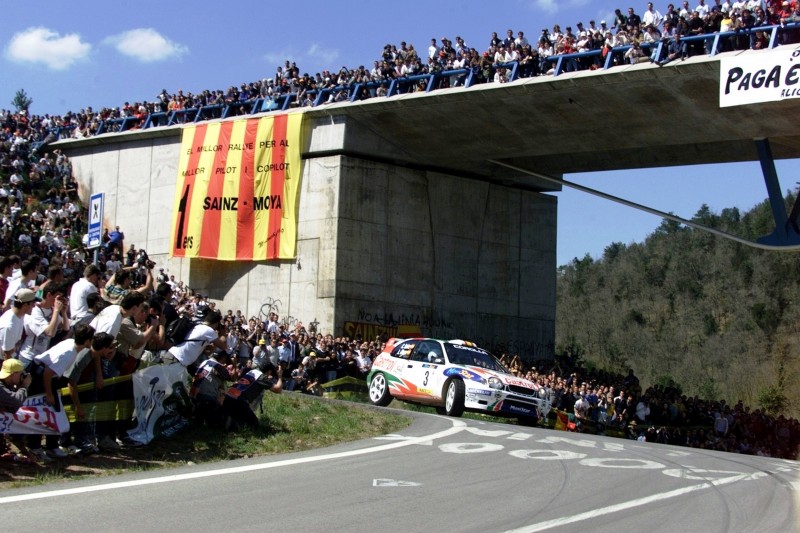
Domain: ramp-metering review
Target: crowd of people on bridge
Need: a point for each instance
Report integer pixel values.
(629, 38)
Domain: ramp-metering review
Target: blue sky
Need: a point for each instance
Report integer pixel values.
(69, 55)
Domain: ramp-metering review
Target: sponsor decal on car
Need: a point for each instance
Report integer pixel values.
(517, 409)
(463, 372)
(480, 391)
(520, 382)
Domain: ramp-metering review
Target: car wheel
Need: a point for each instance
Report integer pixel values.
(454, 397)
(440, 411)
(379, 390)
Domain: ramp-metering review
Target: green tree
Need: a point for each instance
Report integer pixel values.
(21, 101)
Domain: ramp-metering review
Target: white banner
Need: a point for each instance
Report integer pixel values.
(35, 417)
(159, 400)
(755, 77)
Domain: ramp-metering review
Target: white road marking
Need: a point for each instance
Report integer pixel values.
(458, 426)
(469, 447)
(520, 436)
(613, 447)
(394, 483)
(488, 433)
(391, 436)
(588, 515)
(795, 485)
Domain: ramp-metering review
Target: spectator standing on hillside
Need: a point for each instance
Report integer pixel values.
(116, 240)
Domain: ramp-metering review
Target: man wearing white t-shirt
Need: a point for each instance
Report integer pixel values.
(203, 334)
(82, 288)
(12, 322)
(46, 320)
(26, 280)
(50, 367)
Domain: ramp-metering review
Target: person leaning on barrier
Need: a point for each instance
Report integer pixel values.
(50, 370)
(202, 335)
(246, 395)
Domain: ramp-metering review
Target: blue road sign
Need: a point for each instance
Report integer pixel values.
(95, 221)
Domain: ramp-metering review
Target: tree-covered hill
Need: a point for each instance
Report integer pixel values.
(718, 318)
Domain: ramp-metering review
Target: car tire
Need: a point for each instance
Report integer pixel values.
(440, 411)
(454, 397)
(379, 390)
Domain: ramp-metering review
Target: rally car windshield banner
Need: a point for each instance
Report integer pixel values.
(237, 190)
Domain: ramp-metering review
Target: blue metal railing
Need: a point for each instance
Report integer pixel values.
(710, 44)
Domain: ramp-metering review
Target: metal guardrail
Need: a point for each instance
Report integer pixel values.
(712, 44)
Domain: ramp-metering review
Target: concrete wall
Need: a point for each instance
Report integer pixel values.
(459, 258)
(379, 245)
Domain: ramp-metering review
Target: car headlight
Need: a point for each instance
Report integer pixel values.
(495, 383)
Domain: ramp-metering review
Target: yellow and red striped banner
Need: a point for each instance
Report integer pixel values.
(237, 190)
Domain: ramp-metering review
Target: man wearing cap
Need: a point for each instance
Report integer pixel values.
(13, 387)
(12, 322)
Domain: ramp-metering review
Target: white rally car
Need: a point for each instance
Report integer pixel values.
(453, 376)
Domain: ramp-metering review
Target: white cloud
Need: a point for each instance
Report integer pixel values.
(548, 6)
(146, 45)
(42, 45)
(324, 56)
(316, 55)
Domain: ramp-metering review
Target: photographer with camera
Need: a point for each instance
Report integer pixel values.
(48, 322)
(121, 283)
(14, 383)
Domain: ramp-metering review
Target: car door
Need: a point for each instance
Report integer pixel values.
(425, 369)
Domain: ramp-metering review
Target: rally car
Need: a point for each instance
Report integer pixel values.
(453, 376)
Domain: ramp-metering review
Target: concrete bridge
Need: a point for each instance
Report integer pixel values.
(405, 224)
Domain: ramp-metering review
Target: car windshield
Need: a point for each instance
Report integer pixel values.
(458, 354)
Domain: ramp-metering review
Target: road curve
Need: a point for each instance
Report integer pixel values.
(440, 474)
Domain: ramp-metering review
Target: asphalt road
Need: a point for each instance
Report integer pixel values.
(441, 475)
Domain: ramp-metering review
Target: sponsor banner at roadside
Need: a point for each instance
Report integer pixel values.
(35, 417)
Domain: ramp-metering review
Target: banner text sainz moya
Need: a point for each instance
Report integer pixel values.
(231, 203)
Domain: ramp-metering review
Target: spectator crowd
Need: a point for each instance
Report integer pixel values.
(600, 401)
(70, 320)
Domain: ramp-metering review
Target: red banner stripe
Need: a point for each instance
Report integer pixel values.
(277, 178)
(209, 242)
(188, 189)
(246, 217)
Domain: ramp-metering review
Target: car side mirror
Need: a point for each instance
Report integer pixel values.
(439, 361)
